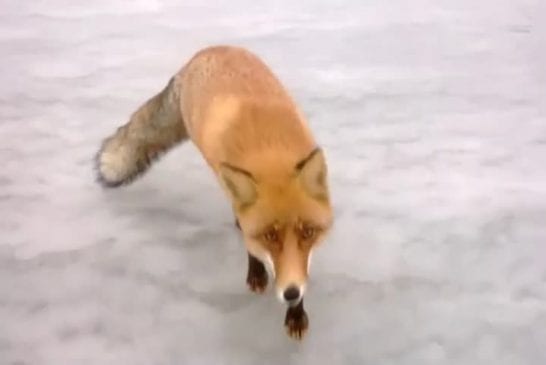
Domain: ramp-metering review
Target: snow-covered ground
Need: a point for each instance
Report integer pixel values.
(433, 118)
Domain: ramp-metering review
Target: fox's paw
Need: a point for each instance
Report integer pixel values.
(256, 276)
(257, 282)
(296, 323)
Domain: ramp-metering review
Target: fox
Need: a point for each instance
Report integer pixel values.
(262, 152)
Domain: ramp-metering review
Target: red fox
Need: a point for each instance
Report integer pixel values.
(252, 135)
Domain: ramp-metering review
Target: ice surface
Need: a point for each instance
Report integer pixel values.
(432, 115)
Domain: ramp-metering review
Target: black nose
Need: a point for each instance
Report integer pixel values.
(292, 293)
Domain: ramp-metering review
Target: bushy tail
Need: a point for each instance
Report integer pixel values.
(151, 131)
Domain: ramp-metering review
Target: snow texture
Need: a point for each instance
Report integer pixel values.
(433, 119)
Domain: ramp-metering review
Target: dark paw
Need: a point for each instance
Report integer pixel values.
(257, 283)
(296, 322)
(256, 277)
(237, 224)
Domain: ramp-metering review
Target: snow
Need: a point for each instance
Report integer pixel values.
(432, 115)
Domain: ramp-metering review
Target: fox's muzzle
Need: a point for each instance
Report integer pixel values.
(291, 277)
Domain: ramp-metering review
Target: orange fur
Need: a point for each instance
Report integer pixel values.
(251, 133)
(237, 112)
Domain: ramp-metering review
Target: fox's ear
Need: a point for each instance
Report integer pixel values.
(239, 183)
(312, 173)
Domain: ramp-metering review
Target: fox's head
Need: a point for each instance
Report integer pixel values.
(283, 217)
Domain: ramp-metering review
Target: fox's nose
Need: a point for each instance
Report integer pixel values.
(291, 293)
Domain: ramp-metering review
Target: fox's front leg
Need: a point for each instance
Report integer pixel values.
(256, 277)
(296, 321)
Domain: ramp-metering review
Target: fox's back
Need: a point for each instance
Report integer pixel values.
(233, 105)
(223, 70)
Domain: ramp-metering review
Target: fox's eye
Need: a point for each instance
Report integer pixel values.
(307, 232)
(271, 236)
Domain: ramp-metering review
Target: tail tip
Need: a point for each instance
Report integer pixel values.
(111, 169)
